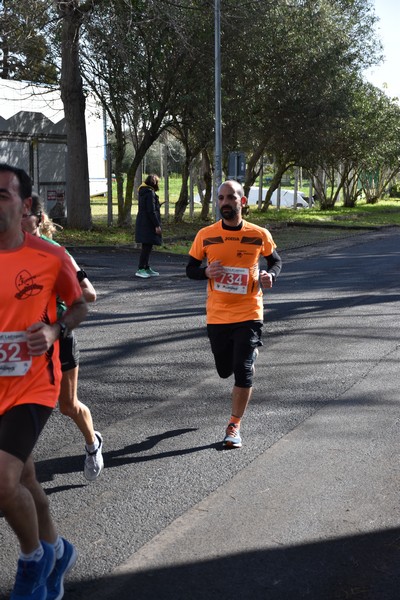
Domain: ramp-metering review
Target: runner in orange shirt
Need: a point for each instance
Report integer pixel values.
(232, 248)
(33, 273)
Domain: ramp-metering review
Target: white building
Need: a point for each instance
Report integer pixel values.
(33, 137)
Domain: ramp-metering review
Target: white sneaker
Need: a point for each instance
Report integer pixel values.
(255, 355)
(232, 438)
(94, 462)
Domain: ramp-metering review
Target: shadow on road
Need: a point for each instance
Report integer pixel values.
(47, 469)
(364, 567)
(295, 309)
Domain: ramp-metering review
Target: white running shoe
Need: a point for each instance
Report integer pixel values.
(94, 462)
(255, 355)
(232, 438)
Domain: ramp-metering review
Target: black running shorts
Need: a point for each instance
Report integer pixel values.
(69, 352)
(233, 346)
(20, 428)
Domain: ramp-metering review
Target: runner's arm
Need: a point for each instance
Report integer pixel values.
(194, 270)
(86, 286)
(274, 264)
(40, 335)
(75, 313)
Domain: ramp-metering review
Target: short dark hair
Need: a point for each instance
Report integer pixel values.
(152, 181)
(25, 182)
(236, 184)
(37, 203)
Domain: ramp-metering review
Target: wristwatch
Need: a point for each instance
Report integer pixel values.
(81, 275)
(273, 275)
(63, 330)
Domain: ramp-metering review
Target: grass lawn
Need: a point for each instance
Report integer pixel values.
(290, 228)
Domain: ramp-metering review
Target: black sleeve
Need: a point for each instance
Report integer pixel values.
(274, 264)
(150, 207)
(194, 270)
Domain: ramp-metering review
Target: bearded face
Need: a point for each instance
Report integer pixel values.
(229, 212)
(230, 201)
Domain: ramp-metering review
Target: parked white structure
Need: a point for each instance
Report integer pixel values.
(288, 198)
(33, 137)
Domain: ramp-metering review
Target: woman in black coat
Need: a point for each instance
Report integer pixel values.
(148, 224)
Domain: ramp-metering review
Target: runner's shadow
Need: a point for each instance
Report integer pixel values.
(46, 470)
(148, 443)
(64, 488)
(120, 457)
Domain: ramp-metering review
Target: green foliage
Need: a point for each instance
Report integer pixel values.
(394, 191)
(292, 87)
(318, 225)
(25, 52)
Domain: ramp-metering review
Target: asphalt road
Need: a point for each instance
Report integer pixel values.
(147, 374)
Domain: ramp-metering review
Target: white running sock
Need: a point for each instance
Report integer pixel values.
(58, 547)
(93, 447)
(36, 555)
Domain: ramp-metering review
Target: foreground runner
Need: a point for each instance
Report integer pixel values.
(232, 248)
(32, 273)
(38, 223)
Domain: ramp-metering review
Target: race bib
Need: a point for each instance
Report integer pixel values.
(14, 357)
(234, 280)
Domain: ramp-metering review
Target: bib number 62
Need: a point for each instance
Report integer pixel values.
(14, 357)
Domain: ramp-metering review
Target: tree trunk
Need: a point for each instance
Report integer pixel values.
(252, 168)
(183, 199)
(150, 136)
(125, 217)
(326, 187)
(348, 184)
(119, 152)
(207, 176)
(280, 167)
(77, 192)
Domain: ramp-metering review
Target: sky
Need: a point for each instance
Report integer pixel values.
(387, 76)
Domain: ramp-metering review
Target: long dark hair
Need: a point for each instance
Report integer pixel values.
(152, 181)
(37, 203)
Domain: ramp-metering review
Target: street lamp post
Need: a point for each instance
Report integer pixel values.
(218, 126)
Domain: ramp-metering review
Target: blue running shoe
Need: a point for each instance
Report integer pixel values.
(30, 581)
(55, 583)
(232, 438)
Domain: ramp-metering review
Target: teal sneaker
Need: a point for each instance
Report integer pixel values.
(232, 438)
(142, 273)
(151, 272)
(30, 581)
(55, 582)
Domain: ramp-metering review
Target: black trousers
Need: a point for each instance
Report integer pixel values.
(145, 255)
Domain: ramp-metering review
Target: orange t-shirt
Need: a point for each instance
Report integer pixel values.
(237, 295)
(31, 277)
